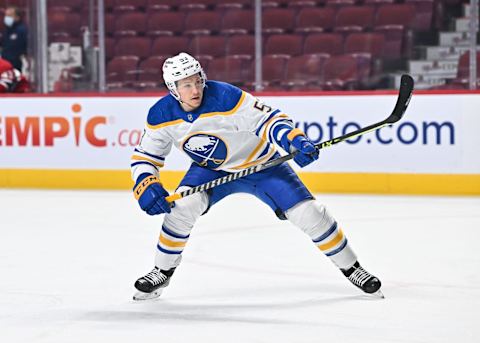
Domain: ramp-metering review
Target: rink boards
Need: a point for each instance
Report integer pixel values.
(86, 142)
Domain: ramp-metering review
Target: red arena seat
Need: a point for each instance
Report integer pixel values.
(340, 3)
(340, 72)
(203, 22)
(321, 43)
(149, 71)
(231, 4)
(286, 44)
(305, 70)
(196, 5)
(423, 18)
(204, 61)
(311, 20)
(133, 46)
(64, 23)
(241, 46)
(393, 21)
(278, 20)
(168, 46)
(372, 43)
(130, 24)
(153, 63)
(119, 66)
(161, 5)
(238, 21)
(165, 23)
(228, 69)
(301, 3)
(395, 14)
(129, 5)
(354, 19)
(212, 46)
(273, 70)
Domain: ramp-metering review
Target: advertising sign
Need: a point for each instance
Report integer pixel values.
(438, 134)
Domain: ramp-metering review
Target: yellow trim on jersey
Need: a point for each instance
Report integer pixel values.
(203, 115)
(168, 123)
(254, 152)
(171, 244)
(294, 133)
(264, 136)
(226, 113)
(254, 163)
(333, 242)
(141, 158)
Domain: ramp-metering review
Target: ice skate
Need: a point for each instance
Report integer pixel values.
(152, 285)
(364, 280)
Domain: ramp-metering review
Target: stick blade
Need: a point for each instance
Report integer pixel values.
(405, 94)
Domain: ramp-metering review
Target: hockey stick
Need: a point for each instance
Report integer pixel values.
(405, 93)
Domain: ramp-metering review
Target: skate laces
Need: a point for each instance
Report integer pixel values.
(359, 276)
(155, 277)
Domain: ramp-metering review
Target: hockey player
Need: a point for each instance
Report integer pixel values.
(11, 80)
(224, 130)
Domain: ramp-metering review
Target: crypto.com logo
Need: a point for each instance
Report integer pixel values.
(45, 131)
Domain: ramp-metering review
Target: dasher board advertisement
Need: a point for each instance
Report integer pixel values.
(438, 133)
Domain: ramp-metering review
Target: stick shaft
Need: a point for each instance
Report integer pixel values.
(406, 88)
(269, 164)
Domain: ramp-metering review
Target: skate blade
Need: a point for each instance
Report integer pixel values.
(142, 296)
(379, 294)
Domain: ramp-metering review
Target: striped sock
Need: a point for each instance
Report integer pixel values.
(171, 242)
(334, 245)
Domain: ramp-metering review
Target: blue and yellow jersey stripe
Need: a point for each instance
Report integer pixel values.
(220, 99)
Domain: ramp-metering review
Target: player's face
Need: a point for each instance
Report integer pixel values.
(190, 91)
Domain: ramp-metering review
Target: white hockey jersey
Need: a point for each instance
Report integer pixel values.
(230, 131)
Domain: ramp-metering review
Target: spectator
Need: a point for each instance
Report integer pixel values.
(11, 79)
(14, 40)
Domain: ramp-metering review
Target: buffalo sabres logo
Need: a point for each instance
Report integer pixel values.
(207, 150)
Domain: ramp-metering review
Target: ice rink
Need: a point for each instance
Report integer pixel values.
(68, 261)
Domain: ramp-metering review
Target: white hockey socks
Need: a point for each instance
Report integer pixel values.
(314, 219)
(176, 229)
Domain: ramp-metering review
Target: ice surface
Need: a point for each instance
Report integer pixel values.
(68, 261)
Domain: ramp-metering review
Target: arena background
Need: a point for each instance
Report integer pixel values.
(73, 239)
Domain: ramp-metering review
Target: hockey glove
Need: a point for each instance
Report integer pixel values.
(296, 140)
(151, 195)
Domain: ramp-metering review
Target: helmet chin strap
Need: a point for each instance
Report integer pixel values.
(175, 95)
(185, 103)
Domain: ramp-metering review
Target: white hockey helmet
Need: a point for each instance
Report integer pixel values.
(180, 67)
